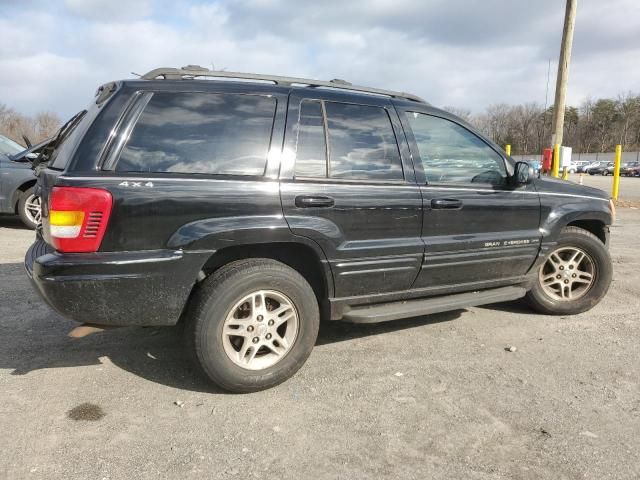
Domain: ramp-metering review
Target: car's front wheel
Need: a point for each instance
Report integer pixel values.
(29, 208)
(575, 276)
(252, 324)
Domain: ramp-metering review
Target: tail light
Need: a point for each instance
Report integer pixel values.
(78, 218)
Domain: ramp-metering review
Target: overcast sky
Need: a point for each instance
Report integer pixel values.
(462, 53)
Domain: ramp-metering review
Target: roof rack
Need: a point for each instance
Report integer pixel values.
(191, 71)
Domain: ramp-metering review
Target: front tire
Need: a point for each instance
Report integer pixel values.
(252, 324)
(29, 208)
(575, 276)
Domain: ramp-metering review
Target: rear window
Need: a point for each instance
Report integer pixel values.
(204, 133)
(76, 130)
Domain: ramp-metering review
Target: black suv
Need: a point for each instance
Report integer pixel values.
(251, 209)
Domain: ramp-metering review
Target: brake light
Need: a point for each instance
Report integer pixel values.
(78, 218)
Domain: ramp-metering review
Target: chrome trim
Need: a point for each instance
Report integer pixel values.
(355, 184)
(377, 270)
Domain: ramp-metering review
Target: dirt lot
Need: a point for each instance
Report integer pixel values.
(432, 397)
(629, 190)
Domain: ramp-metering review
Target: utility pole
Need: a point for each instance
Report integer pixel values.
(563, 71)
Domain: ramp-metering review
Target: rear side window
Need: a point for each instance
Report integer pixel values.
(311, 152)
(362, 144)
(206, 133)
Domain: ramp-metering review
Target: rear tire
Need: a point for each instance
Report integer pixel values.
(549, 294)
(29, 208)
(252, 298)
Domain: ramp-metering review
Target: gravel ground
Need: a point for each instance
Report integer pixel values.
(432, 397)
(629, 189)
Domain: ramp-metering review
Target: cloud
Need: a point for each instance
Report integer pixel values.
(466, 54)
(100, 10)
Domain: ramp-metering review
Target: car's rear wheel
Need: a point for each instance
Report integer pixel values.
(29, 208)
(575, 276)
(252, 324)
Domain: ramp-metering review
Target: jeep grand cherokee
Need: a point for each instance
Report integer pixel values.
(251, 209)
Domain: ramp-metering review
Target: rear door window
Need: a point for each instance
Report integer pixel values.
(362, 143)
(201, 133)
(311, 150)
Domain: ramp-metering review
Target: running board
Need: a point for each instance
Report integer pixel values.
(426, 306)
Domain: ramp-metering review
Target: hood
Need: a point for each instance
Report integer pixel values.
(555, 185)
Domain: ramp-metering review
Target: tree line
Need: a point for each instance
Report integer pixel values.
(36, 128)
(593, 126)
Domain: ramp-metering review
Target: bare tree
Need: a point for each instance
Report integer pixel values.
(17, 126)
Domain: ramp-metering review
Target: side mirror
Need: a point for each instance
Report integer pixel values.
(523, 174)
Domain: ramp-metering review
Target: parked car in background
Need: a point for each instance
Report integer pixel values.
(601, 169)
(17, 183)
(535, 164)
(577, 165)
(631, 169)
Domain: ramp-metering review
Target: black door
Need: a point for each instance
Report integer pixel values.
(478, 230)
(348, 184)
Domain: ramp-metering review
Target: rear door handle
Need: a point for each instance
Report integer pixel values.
(314, 201)
(446, 203)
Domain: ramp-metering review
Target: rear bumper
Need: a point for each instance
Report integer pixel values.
(115, 288)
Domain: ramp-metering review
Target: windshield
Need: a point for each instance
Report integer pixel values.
(9, 147)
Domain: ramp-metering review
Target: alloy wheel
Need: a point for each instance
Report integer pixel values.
(260, 329)
(568, 274)
(32, 209)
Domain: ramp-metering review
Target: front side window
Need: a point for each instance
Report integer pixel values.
(362, 144)
(452, 154)
(202, 133)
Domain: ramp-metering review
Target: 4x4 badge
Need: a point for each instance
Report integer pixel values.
(127, 183)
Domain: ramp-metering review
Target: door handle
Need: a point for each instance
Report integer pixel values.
(314, 201)
(446, 203)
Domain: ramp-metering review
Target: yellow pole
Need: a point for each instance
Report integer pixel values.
(616, 172)
(556, 160)
(565, 173)
(507, 148)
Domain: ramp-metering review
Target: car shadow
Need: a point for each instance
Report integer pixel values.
(36, 338)
(11, 221)
(514, 306)
(336, 331)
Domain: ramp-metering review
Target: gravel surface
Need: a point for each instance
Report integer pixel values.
(629, 188)
(443, 396)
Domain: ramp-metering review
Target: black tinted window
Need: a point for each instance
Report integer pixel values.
(362, 144)
(311, 152)
(452, 154)
(201, 133)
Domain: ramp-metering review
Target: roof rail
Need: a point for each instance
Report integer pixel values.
(191, 71)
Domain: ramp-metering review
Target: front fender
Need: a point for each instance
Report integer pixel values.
(13, 176)
(561, 213)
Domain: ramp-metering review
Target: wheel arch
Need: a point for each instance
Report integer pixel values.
(23, 187)
(300, 256)
(595, 226)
